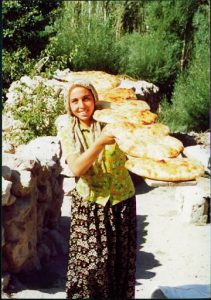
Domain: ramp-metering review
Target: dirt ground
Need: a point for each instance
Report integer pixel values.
(169, 252)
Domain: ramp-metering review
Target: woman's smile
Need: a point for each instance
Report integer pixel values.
(82, 104)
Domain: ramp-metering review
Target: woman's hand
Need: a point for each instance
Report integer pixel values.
(80, 164)
(106, 138)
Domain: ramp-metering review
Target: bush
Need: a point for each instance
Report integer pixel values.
(15, 64)
(84, 44)
(150, 58)
(36, 105)
(190, 103)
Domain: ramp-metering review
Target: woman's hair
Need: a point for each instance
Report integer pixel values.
(78, 83)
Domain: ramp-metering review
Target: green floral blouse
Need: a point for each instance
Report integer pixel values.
(107, 179)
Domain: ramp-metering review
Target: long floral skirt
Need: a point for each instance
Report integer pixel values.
(102, 250)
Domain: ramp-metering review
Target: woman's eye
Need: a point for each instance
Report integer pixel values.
(87, 99)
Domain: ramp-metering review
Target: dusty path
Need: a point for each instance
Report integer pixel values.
(170, 252)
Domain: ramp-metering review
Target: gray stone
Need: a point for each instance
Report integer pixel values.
(5, 279)
(193, 203)
(61, 122)
(6, 188)
(66, 171)
(18, 210)
(8, 147)
(24, 185)
(68, 185)
(2, 236)
(27, 179)
(44, 149)
(6, 172)
(200, 154)
(141, 87)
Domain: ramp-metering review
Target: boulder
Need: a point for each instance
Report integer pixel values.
(24, 184)
(8, 147)
(6, 173)
(6, 188)
(5, 279)
(197, 152)
(43, 149)
(141, 87)
(194, 202)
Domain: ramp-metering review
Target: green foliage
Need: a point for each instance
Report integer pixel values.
(190, 103)
(159, 53)
(24, 35)
(37, 106)
(23, 24)
(15, 64)
(87, 42)
(150, 58)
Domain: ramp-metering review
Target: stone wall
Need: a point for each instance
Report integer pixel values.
(32, 196)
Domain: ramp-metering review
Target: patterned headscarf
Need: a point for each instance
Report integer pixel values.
(78, 83)
(75, 134)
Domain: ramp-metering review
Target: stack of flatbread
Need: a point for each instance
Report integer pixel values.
(151, 151)
(102, 81)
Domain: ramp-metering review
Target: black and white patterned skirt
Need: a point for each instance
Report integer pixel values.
(102, 250)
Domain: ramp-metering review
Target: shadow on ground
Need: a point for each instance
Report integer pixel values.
(140, 185)
(145, 261)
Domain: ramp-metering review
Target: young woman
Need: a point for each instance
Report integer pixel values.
(102, 247)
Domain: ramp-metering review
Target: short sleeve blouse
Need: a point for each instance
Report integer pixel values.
(108, 179)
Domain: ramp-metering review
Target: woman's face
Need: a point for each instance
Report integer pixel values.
(82, 104)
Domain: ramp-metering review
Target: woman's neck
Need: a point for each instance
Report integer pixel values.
(86, 124)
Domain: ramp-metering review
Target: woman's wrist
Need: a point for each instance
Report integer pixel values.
(99, 143)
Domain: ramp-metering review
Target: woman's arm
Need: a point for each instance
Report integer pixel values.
(79, 165)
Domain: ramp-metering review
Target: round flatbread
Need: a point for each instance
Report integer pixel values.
(137, 105)
(108, 116)
(117, 95)
(133, 116)
(100, 80)
(126, 130)
(156, 147)
(172, 169)
(124, 105)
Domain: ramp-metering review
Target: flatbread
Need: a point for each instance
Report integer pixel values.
(116, 94)
(155, 147)
(172, 169)
(124, 105)
(133, 116)
(108, 116)
(100, 80)
(129, 104)
(126, 130)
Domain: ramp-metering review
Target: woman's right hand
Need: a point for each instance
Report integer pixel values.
(106, 138)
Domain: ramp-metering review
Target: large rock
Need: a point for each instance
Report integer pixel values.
(6, 187)
(44, 149)
(199, 153)
(144, 91)
(32, 200)
(6, 172)
(141, 87)
(20, 225)
(24, 184)
(194, 202)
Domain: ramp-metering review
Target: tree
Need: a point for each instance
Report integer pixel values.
(24, 35)
(189, 109)
(24, 24)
